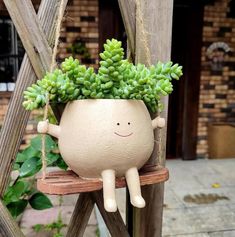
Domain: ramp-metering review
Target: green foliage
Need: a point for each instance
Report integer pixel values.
(21, 192)
(116, 79)
(79, 48)
(16, 208)
(39, 201)
(55, 227)
(30, 167)
(97, 232)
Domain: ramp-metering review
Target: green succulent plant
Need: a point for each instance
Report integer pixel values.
(116, 79)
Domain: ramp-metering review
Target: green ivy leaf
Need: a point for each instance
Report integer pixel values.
(21, 187)
(30, 167)
(10, 196)
(40, 201)
(16, 166)
(52, 158)
(36, 143)
(21, 158)
(31, 152)
(14, 192)
(16, 208)
(61, 164)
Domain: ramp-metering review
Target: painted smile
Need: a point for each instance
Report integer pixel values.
(123, 135)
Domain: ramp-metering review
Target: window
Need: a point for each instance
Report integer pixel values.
(11, 54)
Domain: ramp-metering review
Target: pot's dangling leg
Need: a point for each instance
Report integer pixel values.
(108, 177)
(133, 183)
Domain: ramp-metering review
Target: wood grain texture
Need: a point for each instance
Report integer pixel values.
(8, 226)
(31, 33)
(113, 220)
(67, 182)
(127, 8)
(16, 118)
(157, 15)
(81, 215)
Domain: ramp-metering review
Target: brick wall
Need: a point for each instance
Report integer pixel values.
(217, 87)
(80, 27)
(4, 99)
(32, 124)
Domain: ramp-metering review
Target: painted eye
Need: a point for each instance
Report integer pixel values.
(118, 124)
(129, 123)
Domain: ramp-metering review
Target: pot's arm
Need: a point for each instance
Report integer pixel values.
(51, 129)
(158, 122)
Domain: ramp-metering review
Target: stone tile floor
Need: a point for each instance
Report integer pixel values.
(212, 211)
(199, 202)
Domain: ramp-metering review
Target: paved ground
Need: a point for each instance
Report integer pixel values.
(199, 202)
(200, 199)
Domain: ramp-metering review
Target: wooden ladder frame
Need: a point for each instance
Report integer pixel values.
(37, 33)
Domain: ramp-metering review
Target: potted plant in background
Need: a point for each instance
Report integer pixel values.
(106, 130)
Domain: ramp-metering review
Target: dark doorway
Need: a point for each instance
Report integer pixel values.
(183, 103)
(110, 22)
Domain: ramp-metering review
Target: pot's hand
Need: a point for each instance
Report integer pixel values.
(158, 122)
(46, 127)
(43, 126)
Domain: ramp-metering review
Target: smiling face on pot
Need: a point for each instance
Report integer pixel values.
(105, 134)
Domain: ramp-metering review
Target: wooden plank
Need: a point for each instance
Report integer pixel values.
(81, 215)
(8, 226)
(67, 182)
(127, 8)
(157, 21)
(113, 220)
(16, 118)
(31, 33)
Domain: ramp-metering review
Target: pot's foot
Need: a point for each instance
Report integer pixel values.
(138, 201)
(110, 205)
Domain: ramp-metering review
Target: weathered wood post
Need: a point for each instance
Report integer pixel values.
(153, 34)
(157, 22)
(16, 118)
(32, 66)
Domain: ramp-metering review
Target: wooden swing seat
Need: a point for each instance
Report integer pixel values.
(67, 182)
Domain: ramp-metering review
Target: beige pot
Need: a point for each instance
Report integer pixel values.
(106, 138)
(105, 134)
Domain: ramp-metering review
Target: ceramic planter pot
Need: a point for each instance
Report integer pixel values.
(105, 134)
(106, 138)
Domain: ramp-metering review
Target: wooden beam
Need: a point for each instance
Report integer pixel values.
(113, 220)
(31, 33)
(157, 23)
(81, 215)
(8, 226)
(16, 118)
(127, 8)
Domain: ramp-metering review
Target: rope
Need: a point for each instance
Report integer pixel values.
(44, 161)
(53, 65)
